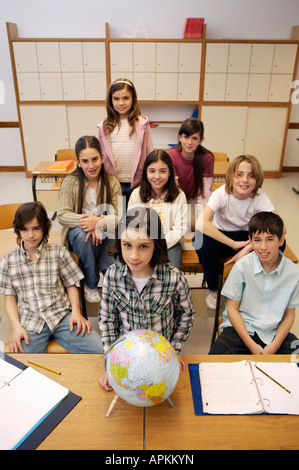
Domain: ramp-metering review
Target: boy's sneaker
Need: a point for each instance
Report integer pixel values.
(211, 299)
(92, 295)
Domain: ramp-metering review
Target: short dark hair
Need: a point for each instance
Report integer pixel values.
(25, 213)
(147, 219)
(266, 222)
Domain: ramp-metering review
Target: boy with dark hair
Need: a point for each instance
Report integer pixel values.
(263, 292)
(38, 280)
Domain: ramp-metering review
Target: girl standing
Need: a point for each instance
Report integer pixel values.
(125, 135)
(142, 291)
(193, 165)
(89, 198)
(224, 221)
(158, 190)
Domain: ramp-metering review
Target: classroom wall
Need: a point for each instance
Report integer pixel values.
(241, 19)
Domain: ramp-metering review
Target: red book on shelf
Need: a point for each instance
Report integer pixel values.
(193, 28)
(63, 165)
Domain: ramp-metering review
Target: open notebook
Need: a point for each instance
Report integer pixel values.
(240, 388)
(27, 397)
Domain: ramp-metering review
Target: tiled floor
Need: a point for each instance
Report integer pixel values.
(14, 187)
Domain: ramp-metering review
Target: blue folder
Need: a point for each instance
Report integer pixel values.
(46, 426)
(196, 389)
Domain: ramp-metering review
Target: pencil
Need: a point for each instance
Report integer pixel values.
(272, 379)
(44, 367)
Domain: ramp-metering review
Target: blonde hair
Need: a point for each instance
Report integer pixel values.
(256, 169)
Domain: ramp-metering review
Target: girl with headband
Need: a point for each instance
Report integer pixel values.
(125, 135)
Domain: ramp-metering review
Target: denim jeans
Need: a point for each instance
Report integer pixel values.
(90, 256)
(127, 191)
(229, 342)
(175, 255)
(88, 344)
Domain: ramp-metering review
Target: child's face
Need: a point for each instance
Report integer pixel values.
(137, 251)
(244, 181)
(31, 235)
(122, 102)
(91, 163)
(157, 175)
(189, 144)
(266, 247)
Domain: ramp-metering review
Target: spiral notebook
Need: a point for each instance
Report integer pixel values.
(31, 405)
(239, 388)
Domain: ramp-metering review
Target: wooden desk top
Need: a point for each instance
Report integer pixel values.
(170, 428)
(40, 170)
(166, 428)
(86, 426)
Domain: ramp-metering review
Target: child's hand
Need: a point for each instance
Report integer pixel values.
(239, 245)
(104, 382)
(182, 364)
(83, 325)
(15, 343)
(88, 222)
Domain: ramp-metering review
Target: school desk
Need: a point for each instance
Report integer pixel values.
(160, 427)
(86, 426)
(41, 172)
(179, 428)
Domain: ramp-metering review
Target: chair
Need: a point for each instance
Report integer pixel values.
(220, 157)
(65, 154)
(217, 182)
(7, 215)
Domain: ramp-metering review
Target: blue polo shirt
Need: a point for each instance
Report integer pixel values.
(263, 296)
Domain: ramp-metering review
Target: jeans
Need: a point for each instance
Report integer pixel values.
(175, 255)
(126, 190)
(90, 256)
(229, 342)
(88, 344)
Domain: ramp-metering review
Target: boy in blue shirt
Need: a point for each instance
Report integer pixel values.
(263, 292)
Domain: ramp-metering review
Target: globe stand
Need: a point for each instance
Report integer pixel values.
(111, 406)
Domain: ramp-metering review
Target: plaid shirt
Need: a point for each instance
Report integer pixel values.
(123, 309)
(39, 287)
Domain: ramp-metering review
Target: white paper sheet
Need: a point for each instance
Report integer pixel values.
(24, 402)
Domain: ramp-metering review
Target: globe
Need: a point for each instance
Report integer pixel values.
(142, 368)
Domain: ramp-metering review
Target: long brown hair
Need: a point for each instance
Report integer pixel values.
(189, 127)
(146, 192)
(113, 118)
(104, 196)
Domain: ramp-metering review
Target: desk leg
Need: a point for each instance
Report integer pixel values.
(34, 187)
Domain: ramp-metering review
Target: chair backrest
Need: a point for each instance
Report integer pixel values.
(7, 215)
(220, 157)
(65, 154)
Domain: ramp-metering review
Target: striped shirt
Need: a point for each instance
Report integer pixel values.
(123, 148)
(123, 308)
(39, 286)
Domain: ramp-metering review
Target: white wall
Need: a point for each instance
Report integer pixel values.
(240, 19)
